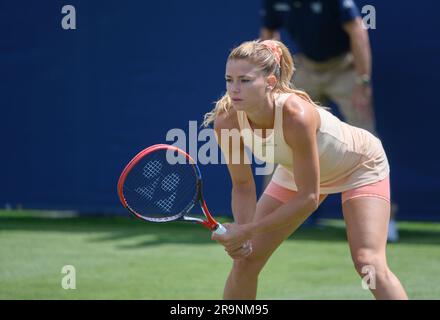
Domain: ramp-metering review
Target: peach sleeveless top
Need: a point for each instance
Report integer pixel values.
(349, 157)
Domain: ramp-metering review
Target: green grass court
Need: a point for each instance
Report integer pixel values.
(123, 258)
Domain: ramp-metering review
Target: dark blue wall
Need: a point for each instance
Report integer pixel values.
(77, 104)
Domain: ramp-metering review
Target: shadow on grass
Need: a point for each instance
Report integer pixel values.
(146, 234)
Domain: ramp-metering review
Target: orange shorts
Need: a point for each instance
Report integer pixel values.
(380, 189)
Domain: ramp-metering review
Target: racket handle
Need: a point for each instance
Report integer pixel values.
(220, 229)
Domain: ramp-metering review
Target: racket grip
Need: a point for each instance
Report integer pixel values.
(220, 229)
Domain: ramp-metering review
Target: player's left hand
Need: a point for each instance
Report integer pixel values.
(236, 240)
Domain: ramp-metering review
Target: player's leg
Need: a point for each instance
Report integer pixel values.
(366, 217)
(243, 278)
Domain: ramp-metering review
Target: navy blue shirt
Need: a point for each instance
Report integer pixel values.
(314, 25)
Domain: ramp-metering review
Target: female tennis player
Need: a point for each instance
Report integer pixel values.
(317, 154)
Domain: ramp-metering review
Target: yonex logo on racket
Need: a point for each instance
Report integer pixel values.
(152, 169)
(147, 191)
(167, 204)
(169, 183)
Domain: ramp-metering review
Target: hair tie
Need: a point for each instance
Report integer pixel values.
(274, 48)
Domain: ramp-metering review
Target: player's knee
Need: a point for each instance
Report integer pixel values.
(368, 261)
(248, 267)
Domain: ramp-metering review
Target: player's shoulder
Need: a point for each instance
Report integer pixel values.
(226, 120)
(298, 113)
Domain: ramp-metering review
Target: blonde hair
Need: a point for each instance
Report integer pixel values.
(263, 56)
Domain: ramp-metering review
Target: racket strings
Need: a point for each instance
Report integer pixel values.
(170, 182)
(156, 189)
(152, 168)
(147, 191)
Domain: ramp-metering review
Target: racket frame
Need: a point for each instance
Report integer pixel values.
(209, 223)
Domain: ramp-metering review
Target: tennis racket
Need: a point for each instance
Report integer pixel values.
(163, 183)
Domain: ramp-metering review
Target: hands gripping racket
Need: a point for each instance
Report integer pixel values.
(155, 188)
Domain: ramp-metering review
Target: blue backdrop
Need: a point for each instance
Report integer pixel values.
(77, 104)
